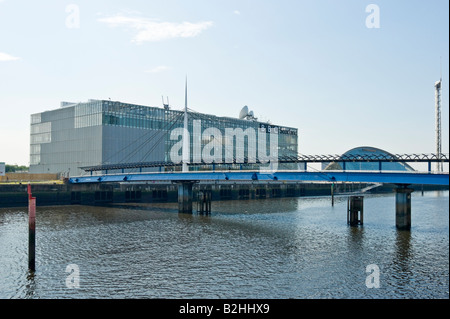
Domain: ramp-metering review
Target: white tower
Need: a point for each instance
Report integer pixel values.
(437, 87)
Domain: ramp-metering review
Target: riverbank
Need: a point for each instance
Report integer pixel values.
(48, 193)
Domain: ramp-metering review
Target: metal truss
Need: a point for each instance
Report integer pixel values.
(300, 158)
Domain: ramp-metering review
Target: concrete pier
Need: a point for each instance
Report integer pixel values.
(355, 207)
(403, 207)
(204, 202)
(185, 196)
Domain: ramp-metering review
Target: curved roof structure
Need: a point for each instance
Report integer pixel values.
(367, 166)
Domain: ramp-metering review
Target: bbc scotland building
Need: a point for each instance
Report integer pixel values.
(102, 133)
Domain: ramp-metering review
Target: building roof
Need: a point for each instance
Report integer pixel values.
(366, 166)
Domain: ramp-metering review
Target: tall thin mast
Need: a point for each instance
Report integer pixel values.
(186, 139)
(438, 86)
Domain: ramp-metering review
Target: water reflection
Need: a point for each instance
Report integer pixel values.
(403, 246)
(30, 286)
(355, 237)
(403, 254)
(253, 206)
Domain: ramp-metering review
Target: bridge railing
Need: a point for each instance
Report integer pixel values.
(297, 159)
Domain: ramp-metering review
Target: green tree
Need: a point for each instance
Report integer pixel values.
(15, 168)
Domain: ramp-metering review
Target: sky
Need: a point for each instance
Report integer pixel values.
(345, 73)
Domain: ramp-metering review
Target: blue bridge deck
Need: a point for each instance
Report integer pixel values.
(288, 176)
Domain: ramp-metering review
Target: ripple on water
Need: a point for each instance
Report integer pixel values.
(285, 248)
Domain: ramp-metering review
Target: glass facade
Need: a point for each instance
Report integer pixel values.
(100, 132)
(88, 114)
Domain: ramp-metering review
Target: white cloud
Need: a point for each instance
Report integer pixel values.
(149, 30)
(7, 57)
(237, 12)
(159, 68)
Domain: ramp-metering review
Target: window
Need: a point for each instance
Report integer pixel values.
(36, 118)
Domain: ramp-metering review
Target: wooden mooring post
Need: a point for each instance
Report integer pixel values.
(332, 194)
(31, 230)
(355, 207)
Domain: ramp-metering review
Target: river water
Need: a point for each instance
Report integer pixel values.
(274, 248)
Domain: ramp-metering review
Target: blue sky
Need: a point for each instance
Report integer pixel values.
(313, 65)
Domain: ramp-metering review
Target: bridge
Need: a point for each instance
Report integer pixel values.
(407, 178)
(185, 180)
(302, 159)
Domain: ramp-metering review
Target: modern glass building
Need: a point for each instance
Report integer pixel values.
(102, 132)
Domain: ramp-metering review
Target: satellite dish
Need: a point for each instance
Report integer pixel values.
(243, 113)
(250, 114)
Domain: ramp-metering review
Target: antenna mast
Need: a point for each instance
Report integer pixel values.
(437, 86)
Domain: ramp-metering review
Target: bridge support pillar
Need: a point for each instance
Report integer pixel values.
(403, 207)
(355, 206)
(185, 197)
